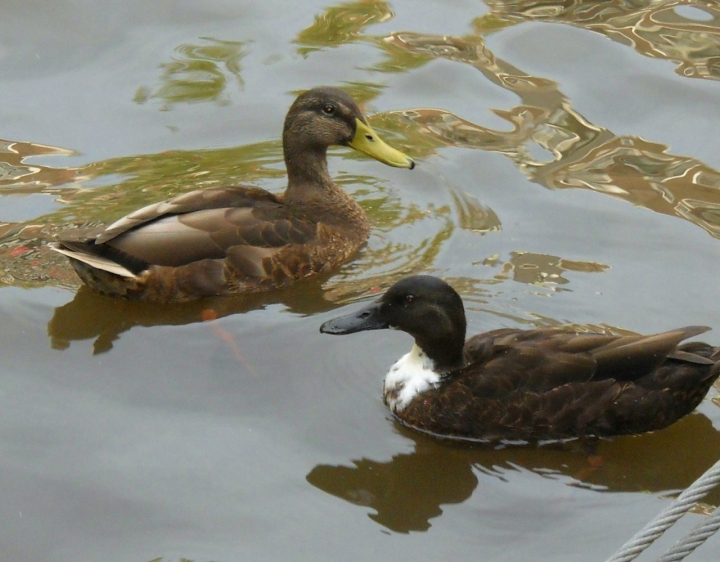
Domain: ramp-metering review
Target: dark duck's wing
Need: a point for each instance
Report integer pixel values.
(209, 242)
(547, 383)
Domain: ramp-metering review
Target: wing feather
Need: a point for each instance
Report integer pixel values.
(165, 236)
(213, 198)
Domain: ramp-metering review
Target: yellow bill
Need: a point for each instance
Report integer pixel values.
(366, 140)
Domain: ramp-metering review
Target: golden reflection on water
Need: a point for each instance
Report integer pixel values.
(342, 24)
(542, 270)
(580, 154)
(472, 215)
(665, 30)
(408, 491)
(19, 177)
(199, 73)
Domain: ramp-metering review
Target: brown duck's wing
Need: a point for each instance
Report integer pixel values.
(204, 199)
(252, 233)
(247, 227)
(536, 361)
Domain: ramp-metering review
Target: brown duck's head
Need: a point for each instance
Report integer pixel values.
(327, 116)
(425, 307)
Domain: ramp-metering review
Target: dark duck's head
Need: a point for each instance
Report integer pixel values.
(430, 311)
(326, 116)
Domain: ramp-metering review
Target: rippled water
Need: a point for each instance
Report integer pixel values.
(568, 173)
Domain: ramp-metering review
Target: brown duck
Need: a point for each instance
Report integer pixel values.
(242, 239)
(529, 385)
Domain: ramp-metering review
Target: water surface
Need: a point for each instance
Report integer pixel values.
(568, 174)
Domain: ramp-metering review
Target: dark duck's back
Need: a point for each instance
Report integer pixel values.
(529, 384)
(550, 384)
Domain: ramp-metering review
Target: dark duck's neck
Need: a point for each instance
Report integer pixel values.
(444, 349)
(438, 352)
(418, 371)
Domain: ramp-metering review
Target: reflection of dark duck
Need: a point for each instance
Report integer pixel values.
(529, 384)
(242, 239)
(408, 491)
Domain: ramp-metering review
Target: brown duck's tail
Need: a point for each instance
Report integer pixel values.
(90, 254)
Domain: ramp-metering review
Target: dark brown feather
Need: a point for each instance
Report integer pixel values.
(551, 384)
(528, 384)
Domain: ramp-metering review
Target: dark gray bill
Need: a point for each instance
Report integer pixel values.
(367, 318)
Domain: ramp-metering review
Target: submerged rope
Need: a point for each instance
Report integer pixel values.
(667, 518)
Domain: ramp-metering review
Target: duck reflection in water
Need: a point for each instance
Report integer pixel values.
(408, 491)
(93, 316)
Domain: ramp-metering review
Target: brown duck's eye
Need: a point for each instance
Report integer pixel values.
(409, 299)
(328, 109)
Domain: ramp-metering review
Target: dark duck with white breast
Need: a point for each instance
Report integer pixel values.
(529, 385)
(241, 239)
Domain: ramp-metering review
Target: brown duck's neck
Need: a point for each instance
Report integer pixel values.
(306, 166)
(311, 189)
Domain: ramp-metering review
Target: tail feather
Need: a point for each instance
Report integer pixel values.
(689, 357)
(92, 260)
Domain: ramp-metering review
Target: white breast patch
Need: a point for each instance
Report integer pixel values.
(411, 375)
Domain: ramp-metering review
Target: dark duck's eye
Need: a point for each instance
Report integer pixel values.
(409, 299)
(328, 109)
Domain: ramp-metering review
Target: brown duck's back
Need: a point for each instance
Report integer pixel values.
(214, 242)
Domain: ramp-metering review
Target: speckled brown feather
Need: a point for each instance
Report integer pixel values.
(241, 239)
(255, 240)
(551, 384)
